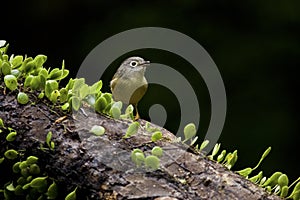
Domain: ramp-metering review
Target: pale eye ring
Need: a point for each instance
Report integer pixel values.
(133, 64)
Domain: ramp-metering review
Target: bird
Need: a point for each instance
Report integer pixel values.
(129, 84)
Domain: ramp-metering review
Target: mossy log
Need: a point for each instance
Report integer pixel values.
(100, 166)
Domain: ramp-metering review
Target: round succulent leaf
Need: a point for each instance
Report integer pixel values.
(32, 160)
(97, 130)
(11, 154)
(115, 112)
(17, 61)
(40, 60)
(189, 131)
(132, 129)
(38, 182)
(28, 80)
(152, 162)
(63, 95)
(100, 104)
(157, 151)
(137, 156)
(157, 135)
(75, 102)
(22, 98)
(6, 68)
(283, 180)
(10, 82)
(16, 73)
(11, 136)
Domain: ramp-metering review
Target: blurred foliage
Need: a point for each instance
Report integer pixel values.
(255, 44)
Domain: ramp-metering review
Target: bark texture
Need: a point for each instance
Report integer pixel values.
(101, 166)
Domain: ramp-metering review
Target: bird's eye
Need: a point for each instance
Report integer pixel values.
(133, 63)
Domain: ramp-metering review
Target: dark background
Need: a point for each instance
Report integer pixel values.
(255, 44)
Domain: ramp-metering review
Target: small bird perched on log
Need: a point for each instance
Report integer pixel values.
(129, 83)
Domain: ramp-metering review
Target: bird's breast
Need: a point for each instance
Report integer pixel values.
(129, 90)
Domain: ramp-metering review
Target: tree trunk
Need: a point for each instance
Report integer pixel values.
(101, 166)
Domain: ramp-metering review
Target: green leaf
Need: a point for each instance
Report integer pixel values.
(273, 180)
(43, 72)
(17, 61)
(129, 111)
(34, 169)
(152, 162)
(6, 68)
(72, 195)
(97, 130)
(132, 129)
(295, 193)
(52, 191)
(117, 104)
(16, 73)
(11, 154)
(16, 168)
(214, 151)
(77, 85)
(52, 145)
(63, 95)
(65, 106)
(231, 160)
(48, 138)
(35, 83)
(157, 151)
(54, 95)
(50, 86)
(204, 144)
(283, 180)
(38, 182)
(100, 104)
(115, 112)
(28, 80)
(40, 60)
(189, 131)
(108, 97)
(11, 82)
(22, 98)
(24, 68)
(137, 156)
(31, 160)
(157, 135)
(19, 191)
(284, 191)
(256, 178)
(11, 136)
(96, 87)
(23, 165)
(41, 95)
(245, 172)
(221, 156)
(1, 123)
(10, 187)
(265, 154)
(84, 91)
(29, 66)
(54, 74)
(75, 102)
(70, 84)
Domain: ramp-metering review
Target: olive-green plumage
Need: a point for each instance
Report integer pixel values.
(129, 83)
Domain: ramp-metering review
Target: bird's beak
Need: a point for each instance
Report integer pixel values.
(146, 62)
